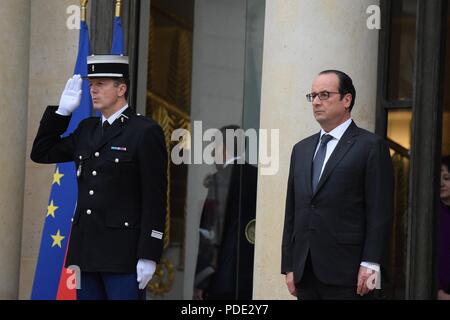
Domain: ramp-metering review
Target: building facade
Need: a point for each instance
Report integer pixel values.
(200, 64)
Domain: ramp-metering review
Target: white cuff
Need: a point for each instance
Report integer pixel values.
(62, 112)
(374, 266)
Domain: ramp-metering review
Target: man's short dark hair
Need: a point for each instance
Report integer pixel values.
(345, 85)
(124, 81)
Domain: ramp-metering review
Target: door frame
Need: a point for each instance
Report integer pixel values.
(426, 138)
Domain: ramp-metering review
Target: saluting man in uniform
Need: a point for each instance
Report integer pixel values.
(121, 161)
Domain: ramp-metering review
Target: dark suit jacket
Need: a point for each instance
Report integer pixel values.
(120, 222)
(348, 219)
(230, 260)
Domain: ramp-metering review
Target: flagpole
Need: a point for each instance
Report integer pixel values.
(83, 4)
(118, 7)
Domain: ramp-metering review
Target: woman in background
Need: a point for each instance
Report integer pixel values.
(444, 233)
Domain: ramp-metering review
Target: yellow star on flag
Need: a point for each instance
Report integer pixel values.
(57, 177)
(51, 209)
(57, 238)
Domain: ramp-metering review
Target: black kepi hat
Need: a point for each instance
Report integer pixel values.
(107, 66)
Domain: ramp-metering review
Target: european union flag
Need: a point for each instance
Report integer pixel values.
(50, 279)
(117, 40)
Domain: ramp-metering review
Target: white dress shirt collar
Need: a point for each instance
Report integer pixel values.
(113, 117)
(339, 131)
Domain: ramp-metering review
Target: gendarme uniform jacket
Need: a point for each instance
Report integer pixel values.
(122, 182)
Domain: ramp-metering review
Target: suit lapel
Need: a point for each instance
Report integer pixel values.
(343, 146)
(309, 155)
(116, 128)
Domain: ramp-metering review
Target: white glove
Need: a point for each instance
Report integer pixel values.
(71, 96)
(145, 270)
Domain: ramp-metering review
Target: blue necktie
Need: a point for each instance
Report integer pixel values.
(319, 159)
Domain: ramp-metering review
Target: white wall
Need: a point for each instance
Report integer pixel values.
(14, 48)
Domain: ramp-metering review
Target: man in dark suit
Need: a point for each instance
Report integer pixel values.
(226, 243)
(121, 160)
(339, 200)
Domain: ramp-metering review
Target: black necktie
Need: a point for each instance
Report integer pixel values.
(105, 127)
(319, 159)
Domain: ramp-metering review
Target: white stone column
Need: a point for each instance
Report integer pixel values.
(53, 49)
(14, 47)
(302, 38)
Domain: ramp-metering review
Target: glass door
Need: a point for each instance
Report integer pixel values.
(203, 61)
(397, 102)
